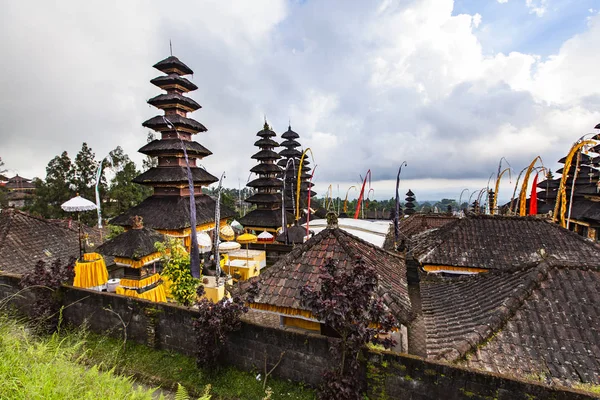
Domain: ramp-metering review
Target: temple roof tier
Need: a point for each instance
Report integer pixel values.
(264, 218)
(290, 134)
(265, 169)
(290, 143)
(172, 175)
(172, 65)
(264, 198)
(172, 212)
(266, 142)
(173, 146)
(174, 100)
(265, 182)
(174, 81)
(266, 132)
(187, 124)
(290, 153)
(266, 155)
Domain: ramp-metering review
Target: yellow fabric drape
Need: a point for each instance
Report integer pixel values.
(157, 294)
(433, 268)
(91, 256)
(302, 323)
(138, 263)
(282, 310)
(167, 285)
(134, 283)
(90, 273)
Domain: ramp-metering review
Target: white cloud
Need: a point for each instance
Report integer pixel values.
(537, 7)
(365, 86)
(502, 1)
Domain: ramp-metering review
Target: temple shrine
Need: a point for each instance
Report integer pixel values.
(167, 210)
(134, 251)
(291, 152)
(267, 199)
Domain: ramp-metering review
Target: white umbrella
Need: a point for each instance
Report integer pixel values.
(204, 242)
(77, 204)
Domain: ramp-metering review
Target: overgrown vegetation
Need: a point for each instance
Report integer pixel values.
(167, 369)
(176, 268)
(46, 283)
(45, 368)
(346, 303)
(216, 320)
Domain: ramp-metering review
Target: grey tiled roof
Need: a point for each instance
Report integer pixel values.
(498, 242)
(542, 321)
(25, 240)
(281, 283)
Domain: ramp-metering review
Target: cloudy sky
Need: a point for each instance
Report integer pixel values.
(448, 86)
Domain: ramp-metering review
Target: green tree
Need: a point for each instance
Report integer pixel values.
(50, 194)
(122, 193)
(150, 162)
(84, 172)
(176, 262)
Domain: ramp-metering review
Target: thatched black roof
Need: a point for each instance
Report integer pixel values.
(290, 143)
(174, 98)
(173, 79)
(265, 169)
(263, 218)
(584, 159)
(172, 212)
(290, 134)
(173, 64)
(290, 153)
(173, 146)
(264, 198)
(174, 175)
(266, 142)
(410, 193)
(583, 170)
(158, 123)
(266, 132)
(292, 235)
(264, 182)
(133, 244)
(266, 155)
(597, 126)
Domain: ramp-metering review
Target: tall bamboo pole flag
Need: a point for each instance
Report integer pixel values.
(362, 193)
(299, 181)
(194, 250)
(396, 216)
(533, 198)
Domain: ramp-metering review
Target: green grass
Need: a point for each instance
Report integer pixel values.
(44, 368)
(167, 369)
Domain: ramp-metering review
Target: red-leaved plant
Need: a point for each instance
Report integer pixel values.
(346, 302)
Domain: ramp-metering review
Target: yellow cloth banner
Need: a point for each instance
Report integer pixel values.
(156, 295)
(135, 283)
(167, 285)
(138, 263)
(90, 273)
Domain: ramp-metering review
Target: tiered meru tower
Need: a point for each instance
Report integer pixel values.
(410, 203)
(267, 199)
(291, 152)
(168, 209)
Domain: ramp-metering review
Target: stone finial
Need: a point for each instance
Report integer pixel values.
(137, 222)
(332, 220)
